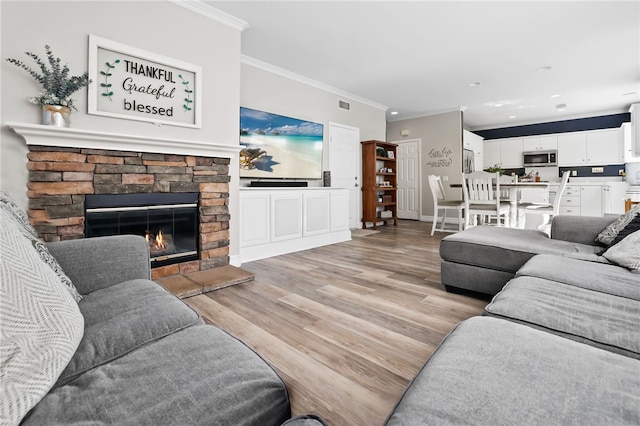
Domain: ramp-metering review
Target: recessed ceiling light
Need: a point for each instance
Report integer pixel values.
(394, 113)
(545, 68)
(474, 84)
(557, 95)
(512, 116)
(629, 94)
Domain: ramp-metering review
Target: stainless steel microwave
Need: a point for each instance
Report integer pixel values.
(540, 158)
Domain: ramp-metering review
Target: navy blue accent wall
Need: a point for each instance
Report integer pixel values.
(585, 171)
(576, 125)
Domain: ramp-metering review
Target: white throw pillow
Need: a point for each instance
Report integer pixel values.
(22, 221)
(626, 253)
(40, 324)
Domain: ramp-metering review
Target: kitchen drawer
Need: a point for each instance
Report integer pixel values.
(571, 190)
(570, 210)
(570, 200)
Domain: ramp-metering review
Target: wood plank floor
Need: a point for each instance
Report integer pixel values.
(346, 326)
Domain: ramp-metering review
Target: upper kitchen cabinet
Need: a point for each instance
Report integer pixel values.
(505, 152)
(597, 147)
(511, 152)
(540, 143)
(491, 153)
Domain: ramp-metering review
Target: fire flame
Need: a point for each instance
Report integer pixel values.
(160, 240)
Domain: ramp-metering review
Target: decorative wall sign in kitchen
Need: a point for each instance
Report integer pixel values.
(134, 84)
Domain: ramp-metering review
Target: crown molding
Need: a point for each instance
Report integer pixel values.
(248, 60)
(210, 12)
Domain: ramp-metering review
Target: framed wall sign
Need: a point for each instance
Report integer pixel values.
(134, 84)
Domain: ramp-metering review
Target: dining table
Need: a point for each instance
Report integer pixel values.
(514, 196)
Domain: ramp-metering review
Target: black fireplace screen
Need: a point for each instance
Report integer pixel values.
(168, 221)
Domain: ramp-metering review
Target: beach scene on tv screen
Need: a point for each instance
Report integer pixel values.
(275, 146)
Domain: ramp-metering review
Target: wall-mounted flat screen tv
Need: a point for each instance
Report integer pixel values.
(275, 146)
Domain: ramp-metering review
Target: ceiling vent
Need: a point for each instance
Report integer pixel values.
(344, 105)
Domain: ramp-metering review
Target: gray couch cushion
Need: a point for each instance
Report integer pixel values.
(506, 249)
(493, 372)
(197, 376)
(599, 319)
(123, 317)
(596, 276)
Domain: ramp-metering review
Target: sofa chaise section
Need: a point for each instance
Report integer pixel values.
(494, 372)
(484, 258)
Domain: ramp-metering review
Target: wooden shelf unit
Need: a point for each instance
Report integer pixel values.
(377, 198)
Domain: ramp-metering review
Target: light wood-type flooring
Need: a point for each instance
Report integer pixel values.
(346, 326)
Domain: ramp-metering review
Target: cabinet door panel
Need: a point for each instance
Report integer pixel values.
(591, 200)
(339, 211)
(603, 147)
(511, 152)
(254, 220)
(572, 149)
(286, 217)
(491, 153)
(316, 213)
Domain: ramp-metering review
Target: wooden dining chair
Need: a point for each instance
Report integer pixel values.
(628, 203)
(481, 192)
(440, 203)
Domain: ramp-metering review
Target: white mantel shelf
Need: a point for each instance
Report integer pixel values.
(36, 134)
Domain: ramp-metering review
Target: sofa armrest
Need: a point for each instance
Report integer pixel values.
(579, 229)
(95, 263)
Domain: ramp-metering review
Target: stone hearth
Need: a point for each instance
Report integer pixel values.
(60, 177)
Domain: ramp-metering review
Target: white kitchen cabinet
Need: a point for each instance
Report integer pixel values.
(540, 143)
(491, 153)
(604, 147)
(635, 129)
(626, 141)
(511, 152)
(596, 147)
(591, 200)
(582, 200)
(613, 196)
(505, 152)
(572, 149)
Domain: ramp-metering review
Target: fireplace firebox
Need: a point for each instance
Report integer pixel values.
(168, 221)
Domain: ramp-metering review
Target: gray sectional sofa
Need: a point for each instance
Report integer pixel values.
(88, 338)
(484, 258)
(558, 344)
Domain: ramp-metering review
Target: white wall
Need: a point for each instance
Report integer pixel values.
(160, 27)
(270, 91)
(441, 137)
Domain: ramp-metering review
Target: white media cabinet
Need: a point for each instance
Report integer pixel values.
(276, 221)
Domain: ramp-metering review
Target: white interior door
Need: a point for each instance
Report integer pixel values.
(408, 174)
(344, 164)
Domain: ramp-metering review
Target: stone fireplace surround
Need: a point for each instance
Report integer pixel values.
(61, 175)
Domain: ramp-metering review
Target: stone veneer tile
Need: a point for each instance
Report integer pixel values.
(60, 178)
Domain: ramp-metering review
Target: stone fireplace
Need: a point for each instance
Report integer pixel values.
(61, 177)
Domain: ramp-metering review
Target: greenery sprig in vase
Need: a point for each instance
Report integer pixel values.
(57, 85)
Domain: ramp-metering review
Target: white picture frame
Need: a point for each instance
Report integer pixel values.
(390, 154)
(135, 84)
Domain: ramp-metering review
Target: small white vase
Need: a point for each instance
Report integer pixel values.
(56, 115)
